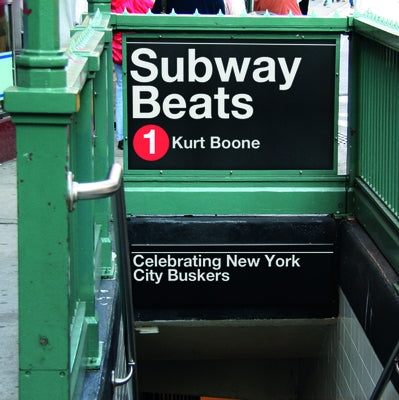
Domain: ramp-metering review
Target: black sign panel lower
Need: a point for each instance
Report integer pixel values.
(197, 104)
(232, 276)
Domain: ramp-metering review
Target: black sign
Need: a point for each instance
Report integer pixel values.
(230, 104)
(213, 276)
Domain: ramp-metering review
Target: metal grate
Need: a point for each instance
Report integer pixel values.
(379, 121)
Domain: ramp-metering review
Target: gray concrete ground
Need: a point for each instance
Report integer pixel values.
(9, 254)
(8, 283)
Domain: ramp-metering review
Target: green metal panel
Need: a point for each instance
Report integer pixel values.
(43, 254)
(43, 246)
(266, 23)
(82, 220)
(379, 126)
(374, 125)
(51, 384)
(217, 198)
(378, 221)
(236, 192)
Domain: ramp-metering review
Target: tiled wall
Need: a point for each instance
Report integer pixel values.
(357, 368)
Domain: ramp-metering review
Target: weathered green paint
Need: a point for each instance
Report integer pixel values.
(43, 258)
(43, 245)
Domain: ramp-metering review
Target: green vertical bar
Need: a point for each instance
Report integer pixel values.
(110, 80)
(101, 161)
(82, 231)
(353, 134)
(42, 24)
(42, 62)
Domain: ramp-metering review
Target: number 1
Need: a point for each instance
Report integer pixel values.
(151, 136)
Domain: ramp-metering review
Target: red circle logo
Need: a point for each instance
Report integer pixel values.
(151, 142)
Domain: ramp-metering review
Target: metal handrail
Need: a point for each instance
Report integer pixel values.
(93, 190)
(113, 186)
(393, 363)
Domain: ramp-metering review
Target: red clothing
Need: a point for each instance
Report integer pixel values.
(280, 7)
(132, 7)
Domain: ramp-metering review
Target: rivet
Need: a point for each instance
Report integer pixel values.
(43, 341)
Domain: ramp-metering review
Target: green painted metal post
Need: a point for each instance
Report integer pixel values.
(42, 62)
(110, 86)
(102, 5)
(43, 258)
(43, 247)
(82, 219)
(102, 163)
(53, 107)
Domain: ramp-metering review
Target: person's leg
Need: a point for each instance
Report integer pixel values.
(119, 105)
(304, 5)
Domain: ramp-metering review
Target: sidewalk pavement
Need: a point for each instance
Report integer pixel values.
(8, 282)
(340, 8)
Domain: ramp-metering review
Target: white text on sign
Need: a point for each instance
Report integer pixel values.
(148, 68)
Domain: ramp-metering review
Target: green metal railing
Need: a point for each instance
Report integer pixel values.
(374, 127)
(379, 130)
(63, 110)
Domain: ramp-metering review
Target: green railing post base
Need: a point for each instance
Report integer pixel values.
(95, 362)
(108, 267)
